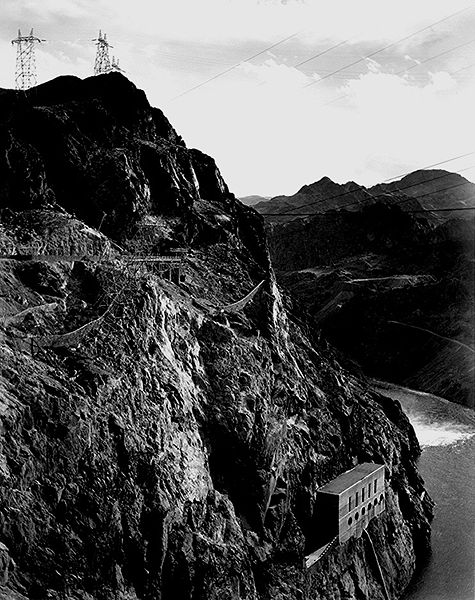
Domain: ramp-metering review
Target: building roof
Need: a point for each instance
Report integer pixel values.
(350, 478)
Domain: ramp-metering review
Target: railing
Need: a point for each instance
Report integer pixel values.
(330, 546)
(313, 558)
(91, 257)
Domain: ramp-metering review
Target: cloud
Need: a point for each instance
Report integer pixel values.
(211, 21)
(270, 134)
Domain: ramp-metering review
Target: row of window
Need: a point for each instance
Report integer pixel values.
(372, 485)
(363, 510)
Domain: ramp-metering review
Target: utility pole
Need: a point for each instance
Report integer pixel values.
(25, 73)
(102, 64)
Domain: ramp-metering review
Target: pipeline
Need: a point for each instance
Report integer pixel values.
(240, 304)
(386, 593)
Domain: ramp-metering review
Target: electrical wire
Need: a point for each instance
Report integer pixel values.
(442, 162)
(371, 54)
(421, 62)
(422, 210)
(385, 181)
(403, 201)
(199, 85)
(354, 203)
(320, 54)
(338, 71)
(442, 209)
(463, 69)
(349, 95)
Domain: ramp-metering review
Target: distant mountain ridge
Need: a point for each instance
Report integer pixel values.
(434, 188)
(430, 189)
(253, 200)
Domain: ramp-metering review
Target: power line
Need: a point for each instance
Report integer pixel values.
(321, 200)
(463, 68)
(332, 73)
(231, 68)
(195, 87)
(348, 95)
(442, 162)
(423, 195)
(442, 209)
(375, 197)
(320, 54)
(421, 62)
(422, 210)
(399, 189)
(371, 54)
(409, 198)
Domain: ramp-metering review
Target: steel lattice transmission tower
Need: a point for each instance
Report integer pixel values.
(25, 73)
(103, 63)
(115, 65)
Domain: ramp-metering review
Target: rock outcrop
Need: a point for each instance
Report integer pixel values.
(151, 445)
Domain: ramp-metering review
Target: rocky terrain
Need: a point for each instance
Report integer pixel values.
(156, 442)
(424, 189)
(393, 291)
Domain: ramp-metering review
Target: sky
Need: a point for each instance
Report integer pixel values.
(281, 92)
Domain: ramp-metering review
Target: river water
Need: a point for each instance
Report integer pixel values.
(446, 432)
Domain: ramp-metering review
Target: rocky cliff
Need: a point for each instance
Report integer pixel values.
(393, 291)
(156, 443)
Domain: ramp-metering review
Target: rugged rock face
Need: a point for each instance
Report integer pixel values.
(152, 445)
(393, 292)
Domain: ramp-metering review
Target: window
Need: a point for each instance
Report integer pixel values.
(362, 495)
(369, 490)
(363, 510)
(350, 521)
(375, 485)
(350, 499)
(357, 499)
(370, 506)
(357, 516)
